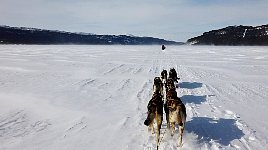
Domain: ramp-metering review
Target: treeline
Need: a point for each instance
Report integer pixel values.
(233, 35)
(22, 35)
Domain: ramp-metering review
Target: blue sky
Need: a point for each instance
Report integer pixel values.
(176, 20)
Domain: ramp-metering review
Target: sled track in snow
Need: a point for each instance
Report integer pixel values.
(230, 131)
(58, 97)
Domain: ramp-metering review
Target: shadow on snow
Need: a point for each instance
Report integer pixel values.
(189, 85)
(193, 99)
(222, 131)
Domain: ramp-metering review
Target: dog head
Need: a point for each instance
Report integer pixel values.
(150, 117)
(158, 85)
(172, 74)
(171, 94)
(146, 122)
(170, 81)
(172, 70)
(164, 74)
(157, 81)
(173, 103)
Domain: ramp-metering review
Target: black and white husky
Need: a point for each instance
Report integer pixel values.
(164, 81)
(158, 86)
(164, 76)
(173, 74)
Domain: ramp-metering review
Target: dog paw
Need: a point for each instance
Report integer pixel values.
(179, 145)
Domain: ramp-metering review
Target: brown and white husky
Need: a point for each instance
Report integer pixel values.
(176, 114)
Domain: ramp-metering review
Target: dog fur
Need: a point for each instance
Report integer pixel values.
(164, 88)
(175, 110)
(173, 74)
(155, 113)
(164, 81)
(158, 86)
(170, 94)
(170, 85)
(176, 114)
(164, 76)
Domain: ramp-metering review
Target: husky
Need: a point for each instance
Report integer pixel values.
(170, 94)
(158, 86)
(155, 113)
(177, 114)
(164, 76)
(173, 74)
(164, 83)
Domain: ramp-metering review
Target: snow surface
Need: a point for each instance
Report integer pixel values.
(95, 97)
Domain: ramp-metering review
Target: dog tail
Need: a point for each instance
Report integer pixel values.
(149, 119)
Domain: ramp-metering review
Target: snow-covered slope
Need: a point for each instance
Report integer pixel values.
(95, 97)
(233, 35)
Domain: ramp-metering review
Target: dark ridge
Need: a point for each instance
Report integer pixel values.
(233, 35)
(23, 35)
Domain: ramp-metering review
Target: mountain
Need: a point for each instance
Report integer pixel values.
(233, 35)
(22, 35)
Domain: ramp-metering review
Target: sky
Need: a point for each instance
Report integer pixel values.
(176, 20)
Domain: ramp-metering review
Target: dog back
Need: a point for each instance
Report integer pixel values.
(170, 84)
(154, 106)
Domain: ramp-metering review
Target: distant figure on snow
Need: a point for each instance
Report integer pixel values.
(163, 47)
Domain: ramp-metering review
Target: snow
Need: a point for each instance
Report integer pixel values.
(95, 97)
(244, 34)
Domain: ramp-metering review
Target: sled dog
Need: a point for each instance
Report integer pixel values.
(173, 74)
(155, 113)
(164, 76)
(164, 82)
(158, 86)
(176, 114)
(170, 94)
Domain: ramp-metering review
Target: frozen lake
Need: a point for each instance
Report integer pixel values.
(55, 97)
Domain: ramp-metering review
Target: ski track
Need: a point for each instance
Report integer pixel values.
(121, 89)
(17, 124)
